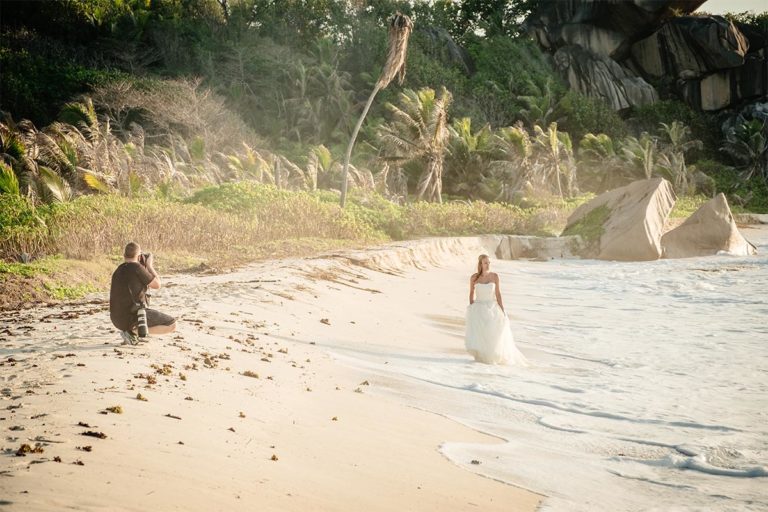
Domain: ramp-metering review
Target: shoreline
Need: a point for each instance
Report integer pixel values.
(340, 443)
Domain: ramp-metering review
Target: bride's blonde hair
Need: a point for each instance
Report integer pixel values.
(480, 265)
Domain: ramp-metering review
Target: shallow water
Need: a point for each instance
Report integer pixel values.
(648, 390)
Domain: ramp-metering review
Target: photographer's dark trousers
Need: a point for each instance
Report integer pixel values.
(154, 318)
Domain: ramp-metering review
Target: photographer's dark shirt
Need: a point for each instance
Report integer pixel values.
(129, 284)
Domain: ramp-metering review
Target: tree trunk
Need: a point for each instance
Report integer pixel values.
(347, 156)
(277, 172)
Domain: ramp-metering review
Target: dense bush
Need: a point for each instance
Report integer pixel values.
(236, 221)
(23, 227)
(26, 87)
(752, 195)
(703, 127)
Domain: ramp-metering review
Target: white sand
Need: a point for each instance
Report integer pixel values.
(377, 455)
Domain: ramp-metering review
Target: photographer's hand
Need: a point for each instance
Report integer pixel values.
(149, 265)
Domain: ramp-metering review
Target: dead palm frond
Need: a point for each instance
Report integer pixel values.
(96, 181)
(400, 27)
(292, 175)
(319, 162)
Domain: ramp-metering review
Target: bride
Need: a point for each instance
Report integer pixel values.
(488, 337)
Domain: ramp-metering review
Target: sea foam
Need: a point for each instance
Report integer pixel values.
(647, 389)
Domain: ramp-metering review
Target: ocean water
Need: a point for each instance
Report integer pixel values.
(648, 388)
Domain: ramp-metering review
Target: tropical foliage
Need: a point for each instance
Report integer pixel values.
(161, 98)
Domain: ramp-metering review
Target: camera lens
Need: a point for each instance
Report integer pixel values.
(143, 328)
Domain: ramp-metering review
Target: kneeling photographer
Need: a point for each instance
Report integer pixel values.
(128, 299)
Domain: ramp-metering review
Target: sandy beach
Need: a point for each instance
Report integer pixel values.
(341, 383)
(250, 405)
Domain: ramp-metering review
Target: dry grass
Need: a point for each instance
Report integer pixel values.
(224, 227)
(452, 219)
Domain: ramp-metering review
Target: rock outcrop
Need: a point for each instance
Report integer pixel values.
(599, 76)
(691, 47)
(711, 62)
(626, 223)
(710, 230)
(604, 27)
(714, 63)
(443, 46)
(726, 88)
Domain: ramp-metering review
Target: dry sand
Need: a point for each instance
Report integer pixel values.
(206, 435)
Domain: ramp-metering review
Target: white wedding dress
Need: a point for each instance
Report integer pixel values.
(488, 337)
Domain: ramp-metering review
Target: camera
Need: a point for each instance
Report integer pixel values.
(144, 257)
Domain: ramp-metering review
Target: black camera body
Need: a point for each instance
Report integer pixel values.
(144, 257)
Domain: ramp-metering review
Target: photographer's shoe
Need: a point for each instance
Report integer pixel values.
(129, 338)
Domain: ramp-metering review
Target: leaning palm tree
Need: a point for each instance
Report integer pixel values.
(400, 27)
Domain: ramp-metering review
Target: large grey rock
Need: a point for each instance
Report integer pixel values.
(713, 63)
(729, 87)
(602, 77)
(691, 47)
(626, 223)
(443, 46)
(513, 247)
(616, 23)
(710, 230)
(600, 41)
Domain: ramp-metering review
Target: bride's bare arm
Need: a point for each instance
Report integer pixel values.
(472, 289)
(498, 291)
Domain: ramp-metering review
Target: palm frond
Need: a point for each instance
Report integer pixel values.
(56, 186)
(97, 183)
(9, 182)
(400, 27)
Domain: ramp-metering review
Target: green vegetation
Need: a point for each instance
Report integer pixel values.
(69, 292)
(686, 205)
(591, 226)
(235, 222)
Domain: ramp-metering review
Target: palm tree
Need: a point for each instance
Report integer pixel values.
(400, 27)
(553, 144)
(641, 153)
(671, 162)
(511, 164)
(469, 155)
(319, 97)
(679, 137)
(419, 134)
(541, 108)
(747, 143)
(672, 166)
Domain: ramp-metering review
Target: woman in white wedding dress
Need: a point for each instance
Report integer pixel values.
(488, 336)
